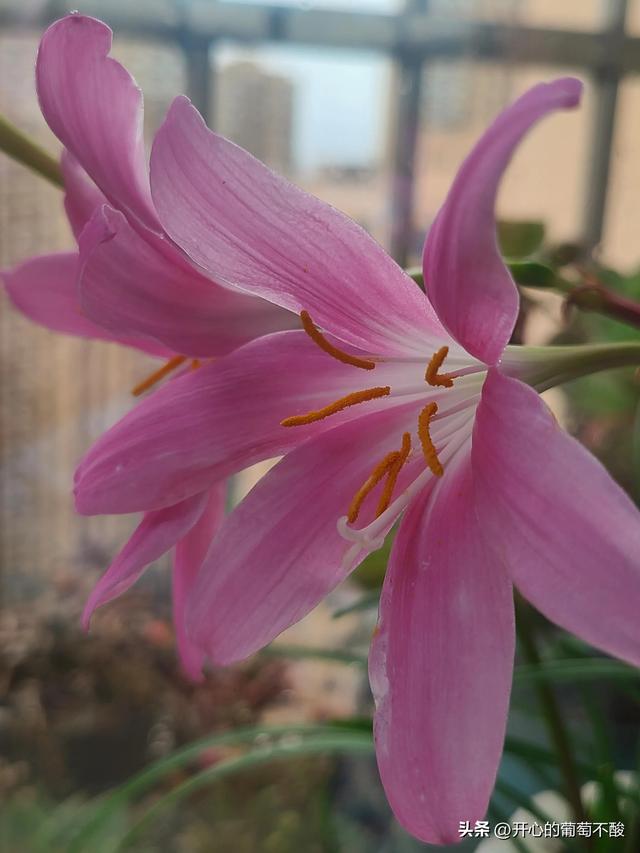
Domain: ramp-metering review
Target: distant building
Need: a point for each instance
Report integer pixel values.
(456, 91)
(254, 108)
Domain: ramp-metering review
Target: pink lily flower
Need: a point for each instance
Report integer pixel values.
(127, 282)
(405, 404)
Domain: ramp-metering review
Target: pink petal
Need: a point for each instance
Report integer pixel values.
(279, 552)
(569, 534)
(441, 664)
(205, 425)
(44, 290)
(249, 228)
(156, 534)
(189, 554)
(466, 279)
(82, 196)
(129, 286)
(94, 107)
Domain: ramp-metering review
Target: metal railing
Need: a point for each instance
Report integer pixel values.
(411, 39)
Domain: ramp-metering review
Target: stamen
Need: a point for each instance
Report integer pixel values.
(383, 467)
(317, 337)
(390, 467)
(195, 363)
(392, 476)
(428, 447)
(343, 403)
(444, 380)
(157, 375)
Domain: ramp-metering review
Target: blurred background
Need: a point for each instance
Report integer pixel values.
(371, 105)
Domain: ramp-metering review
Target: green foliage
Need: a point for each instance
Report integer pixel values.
(602, 328)
(604, 406)
(533, 274)
(32, 823)
(520, 239)
(227, 782)
(370, 573)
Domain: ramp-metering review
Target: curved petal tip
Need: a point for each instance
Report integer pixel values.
(569, 89)
(466, 279)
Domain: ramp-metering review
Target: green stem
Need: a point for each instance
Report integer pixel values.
(24, 150)
(547, 366)
(594, 296)
(552, 717)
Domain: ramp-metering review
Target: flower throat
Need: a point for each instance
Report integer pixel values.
(389, 467)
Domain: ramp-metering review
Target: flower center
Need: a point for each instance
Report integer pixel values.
(389, 467)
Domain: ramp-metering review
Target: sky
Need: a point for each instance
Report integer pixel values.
(340, 97)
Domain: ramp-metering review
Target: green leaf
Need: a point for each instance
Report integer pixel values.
(635, 453)
(521, 799)
(520, 239)
(279, 650)
(144, 781)
(533, 274)
(327, 744)
(590, 669)
(359, 724)
(371, 571)
(367, 602)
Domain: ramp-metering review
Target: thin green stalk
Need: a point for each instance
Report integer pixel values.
(632, 830)
(23, 149)
(553, 719)
(146, 779)
(326, 745)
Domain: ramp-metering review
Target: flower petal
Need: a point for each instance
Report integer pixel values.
(249, 228)
(81, 196)
(156, 534)
(569, 534)
(205, 425)
(129, 286)
(279, 552)
(189, 554)
(465, 277)
(44, 290)
(94, 107)
(441, 664)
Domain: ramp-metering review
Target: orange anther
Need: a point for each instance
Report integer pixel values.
(382, 468)
(428, 447)
(390, 467)
(392, 476)
(318, 338)
(157, 375)
(343, 403)
(444, 380)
